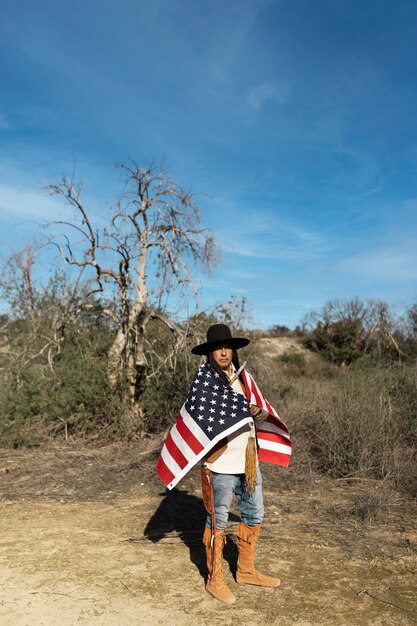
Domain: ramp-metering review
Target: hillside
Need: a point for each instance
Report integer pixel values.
(273, 347)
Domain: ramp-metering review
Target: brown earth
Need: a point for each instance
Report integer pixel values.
(91, 537)
(273, 347)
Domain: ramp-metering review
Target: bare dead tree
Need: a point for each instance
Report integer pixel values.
(381, 327)
(154, 232)
(26, 269)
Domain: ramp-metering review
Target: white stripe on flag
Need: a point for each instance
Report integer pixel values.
(253, 400)
(274, 446)
(254, 389)
(171, 464)
(272, 428)
(182, 444)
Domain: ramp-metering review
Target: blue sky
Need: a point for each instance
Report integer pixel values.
(296, 121)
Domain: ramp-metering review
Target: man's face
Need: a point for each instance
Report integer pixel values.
(223, 356)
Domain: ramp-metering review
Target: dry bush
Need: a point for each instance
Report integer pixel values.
(348, 422)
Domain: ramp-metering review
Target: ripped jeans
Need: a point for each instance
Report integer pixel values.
(251, 505)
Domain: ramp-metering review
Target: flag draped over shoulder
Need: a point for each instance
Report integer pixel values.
(273, 437)
(212, 411)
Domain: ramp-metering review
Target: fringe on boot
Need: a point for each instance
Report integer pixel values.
(216, 583)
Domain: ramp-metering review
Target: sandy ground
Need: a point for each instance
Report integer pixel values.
(91, 537)
(277, 346)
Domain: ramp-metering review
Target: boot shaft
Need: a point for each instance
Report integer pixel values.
(216, 583)
(247, 538)
(214, 544)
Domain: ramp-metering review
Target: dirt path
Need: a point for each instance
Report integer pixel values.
(91, 537)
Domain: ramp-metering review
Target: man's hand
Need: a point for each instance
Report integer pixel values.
(256, 411)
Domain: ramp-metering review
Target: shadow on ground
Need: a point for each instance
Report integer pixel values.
(183, 515)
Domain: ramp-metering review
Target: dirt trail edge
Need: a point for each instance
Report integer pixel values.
(92, 537)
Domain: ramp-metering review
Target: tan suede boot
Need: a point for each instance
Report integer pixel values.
(216, 583)
(247, 538)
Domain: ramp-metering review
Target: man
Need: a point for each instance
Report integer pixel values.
(227, 422)
(235, 471)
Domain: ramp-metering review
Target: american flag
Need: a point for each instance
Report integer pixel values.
(212, 411)
(273, 437)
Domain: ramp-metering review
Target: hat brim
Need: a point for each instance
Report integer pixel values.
(208, 346)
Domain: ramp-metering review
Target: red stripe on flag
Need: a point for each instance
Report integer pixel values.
(175, 452)
(276, 422)
(257, 396)
(276, 458)
(188, 436)
(269, 407)
(163, 472)
(246, 382)
(266, 434)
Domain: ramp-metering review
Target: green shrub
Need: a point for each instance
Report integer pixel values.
(339, 342)
(68, 395)
(295, 359)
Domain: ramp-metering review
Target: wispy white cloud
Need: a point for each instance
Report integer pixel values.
(243, 275)
(228, 40)
(24, 181)
(269, 251)
(264, 236)
(260, 94)
(28, 204)
(398, 264)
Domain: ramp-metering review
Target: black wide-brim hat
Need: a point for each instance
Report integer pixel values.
(217, 335)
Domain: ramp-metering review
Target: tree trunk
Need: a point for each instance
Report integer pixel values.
(127, 356)
(115, 358)
(126, 359)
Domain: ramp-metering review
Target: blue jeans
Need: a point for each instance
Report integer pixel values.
(251, 505)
